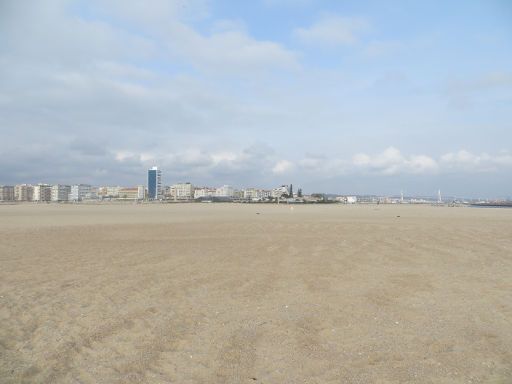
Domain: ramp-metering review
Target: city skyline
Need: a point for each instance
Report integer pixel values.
(347, 98)
(155, 189)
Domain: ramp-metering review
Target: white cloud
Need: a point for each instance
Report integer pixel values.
(230, 50)
(223, 157)
(469, 162)
(311, 162)
(227, 47)
(282, 166)
(391, 162)
(333, 30)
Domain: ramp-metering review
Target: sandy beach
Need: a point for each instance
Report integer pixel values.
(230, 293)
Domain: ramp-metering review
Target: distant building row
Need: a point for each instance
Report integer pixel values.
(47, 192)
(175, 192)
(154, 191)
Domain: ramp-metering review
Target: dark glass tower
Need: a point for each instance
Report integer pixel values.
(154, 183)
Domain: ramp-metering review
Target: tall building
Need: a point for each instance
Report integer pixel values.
(23, 192)
(60, 192)
(42, 192)
(6, 193)
(154, 183)
(81, 192)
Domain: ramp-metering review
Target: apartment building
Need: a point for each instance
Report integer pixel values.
(60, 192)
(225, 191)
(6, 193)
(181, 191)
(203, 192)
(42, 192)
(81, 192)
(23, 192)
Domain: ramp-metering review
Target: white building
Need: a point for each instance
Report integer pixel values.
(181, 191)
(255, 194)
(60, 192)
(113, 191)
(250, 193)
(279, 192)
(81, 192)
(108, 192)
(351, 199)
(23, 192)
(141, 192)
(225, 191)
(204, 192)
(264, 194)
(238, 194)
(347, 199)
(42, 192)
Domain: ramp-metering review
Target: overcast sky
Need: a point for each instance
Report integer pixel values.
(340, 97)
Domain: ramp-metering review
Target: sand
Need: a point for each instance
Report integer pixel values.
(216, 293)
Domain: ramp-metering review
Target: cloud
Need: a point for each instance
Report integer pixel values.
(282, 167)
(468, 162)
(255, 165)
(391, 162)
(229, 50)
(227, 47)
(333, 30)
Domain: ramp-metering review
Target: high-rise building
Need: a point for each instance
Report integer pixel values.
(42, 192)
(154, 183)
(6, 193)
(81, 192)
(23, 192)
(60, 192)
